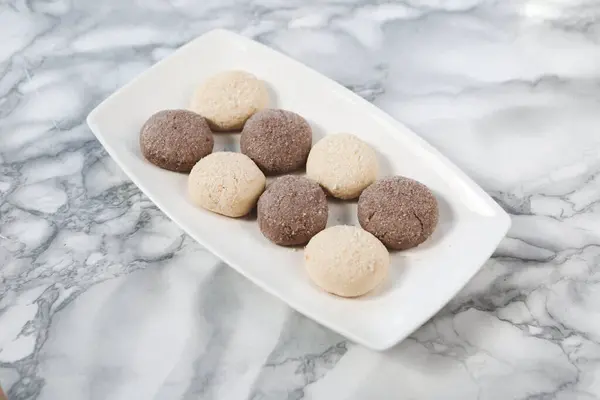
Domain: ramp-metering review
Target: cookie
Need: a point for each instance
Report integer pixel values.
(399, 211)
(229, 98)
(175, 139)
(343, 165)
(346, 261)
(278, 141)
(226, 183)
(292, 210)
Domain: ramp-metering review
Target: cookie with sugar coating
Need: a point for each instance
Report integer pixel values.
(229, 98)
(346, 261)
(175, 139)
(399, 211)
(226, 183)
(292, 210)
(343, 165)
(278, 141)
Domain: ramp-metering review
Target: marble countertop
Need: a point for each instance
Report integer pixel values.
(102, 297)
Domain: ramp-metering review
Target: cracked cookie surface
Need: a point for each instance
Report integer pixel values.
(399, 211)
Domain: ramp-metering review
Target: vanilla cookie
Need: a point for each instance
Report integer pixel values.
(346, 261)
(343, 165)
(229, 98)
(226, 183)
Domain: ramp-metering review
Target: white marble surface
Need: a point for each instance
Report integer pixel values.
(102, 297)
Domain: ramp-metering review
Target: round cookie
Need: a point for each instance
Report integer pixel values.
(278, 141)
(175, 139)
(229, 98)
(226, 183)
(343, 164)
(399, 211)
(346, 261)
(292, 210)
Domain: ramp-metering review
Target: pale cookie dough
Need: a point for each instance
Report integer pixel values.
(343, 165)
(226, 183)
(229, 98)
(346, 261)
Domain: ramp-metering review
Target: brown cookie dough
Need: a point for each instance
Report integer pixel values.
(176, 139)
(278, 141)
(292, 210)
(399, 211)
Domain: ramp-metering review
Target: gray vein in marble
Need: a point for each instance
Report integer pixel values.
(309, 356)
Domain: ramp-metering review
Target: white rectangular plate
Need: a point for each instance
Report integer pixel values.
(422, 280)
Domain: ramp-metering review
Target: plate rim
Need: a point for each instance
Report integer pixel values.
(499, 216)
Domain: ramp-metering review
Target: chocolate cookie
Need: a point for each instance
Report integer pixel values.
(399, 211)
(292, 210)
(176, 139)
(278, 141)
